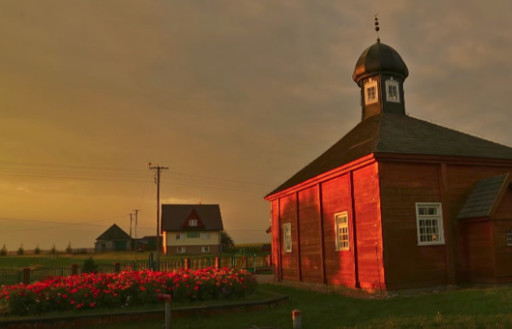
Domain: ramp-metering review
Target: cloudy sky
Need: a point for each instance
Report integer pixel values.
(233, 96)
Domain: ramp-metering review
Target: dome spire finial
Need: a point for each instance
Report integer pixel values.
(377, 28)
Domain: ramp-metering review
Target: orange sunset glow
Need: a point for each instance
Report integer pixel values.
(232, 96)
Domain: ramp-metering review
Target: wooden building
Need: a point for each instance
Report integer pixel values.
(398, 202)
(191, 229)
(113, 239)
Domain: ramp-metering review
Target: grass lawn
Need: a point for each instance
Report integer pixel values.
(468, 308)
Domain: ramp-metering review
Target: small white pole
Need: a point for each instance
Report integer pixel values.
(167, 299)
(297, 319)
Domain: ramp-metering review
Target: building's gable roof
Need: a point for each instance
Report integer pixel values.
(485, 197)
(174, 216)
(114, 232)
(399, 134)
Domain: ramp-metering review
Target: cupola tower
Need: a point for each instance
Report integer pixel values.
(380, 73)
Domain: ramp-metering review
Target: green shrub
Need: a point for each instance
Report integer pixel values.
(21, 251)
(89, 266)
(3, 251)
(69, 250)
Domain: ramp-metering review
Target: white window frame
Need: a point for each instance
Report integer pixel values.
(341, 231)
(205, 235)
(181, 250)
(192, 222)
(509, 238)
(429, 223)
(181, 236)
(287, 237)
(367, 87)
(392, 83)
(205, 249)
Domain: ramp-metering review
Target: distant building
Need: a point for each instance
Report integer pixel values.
(191, 229)
(113, 239)
(146, 243)
(398, 202)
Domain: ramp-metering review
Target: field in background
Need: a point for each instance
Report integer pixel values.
(66, 260)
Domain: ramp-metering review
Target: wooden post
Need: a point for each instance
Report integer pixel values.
(244, 262)
(26, 276)
(186, 263)
(297, 319)
(216, 262)
(74, 269)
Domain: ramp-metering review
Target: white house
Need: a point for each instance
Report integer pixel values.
(191, 229)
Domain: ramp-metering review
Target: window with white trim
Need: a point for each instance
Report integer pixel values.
(205, 235)
(181, 236)
(287, 237)
(370, 92)
(181, 250)
(341, 231)
(205, 249)
(192, 222)
(392, 94)
(509, 238)
(429, 223)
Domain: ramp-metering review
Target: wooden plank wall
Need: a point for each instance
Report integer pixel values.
(408, 265)
(368, 227)
(276, 240)
(288, 214)
(479, 259)
(339, 265)
(310, 235)
(502, 223)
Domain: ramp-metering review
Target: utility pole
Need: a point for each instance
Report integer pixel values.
(136, 222)
(130, 225)
(131, 238)
(158, 169)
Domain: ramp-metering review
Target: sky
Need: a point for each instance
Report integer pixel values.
(234, 97)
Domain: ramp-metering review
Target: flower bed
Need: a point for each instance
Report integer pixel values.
(128, 288)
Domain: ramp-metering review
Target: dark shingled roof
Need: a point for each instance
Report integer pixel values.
(399, 134)
(175, 215)
(484, 196)
(114, 232)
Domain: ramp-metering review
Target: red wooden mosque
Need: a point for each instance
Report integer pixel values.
(398, 202)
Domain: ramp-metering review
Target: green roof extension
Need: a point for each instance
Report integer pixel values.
(485, 197)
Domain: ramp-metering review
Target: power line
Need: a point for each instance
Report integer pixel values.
(60, 171)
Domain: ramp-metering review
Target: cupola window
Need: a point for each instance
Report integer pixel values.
(370, 92)
(392, 94)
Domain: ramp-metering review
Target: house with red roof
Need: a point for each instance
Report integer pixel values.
(191, 229)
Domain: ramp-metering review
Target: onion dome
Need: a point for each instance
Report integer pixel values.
(379, 59)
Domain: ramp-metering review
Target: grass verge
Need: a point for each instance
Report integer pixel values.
(468, 308)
